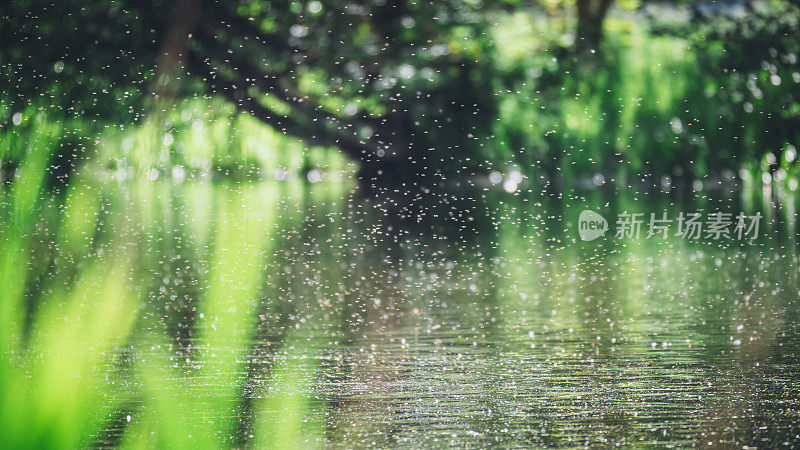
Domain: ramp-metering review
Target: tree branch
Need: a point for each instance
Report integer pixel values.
(313, 130)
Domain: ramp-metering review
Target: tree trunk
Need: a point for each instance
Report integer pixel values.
(591, 14)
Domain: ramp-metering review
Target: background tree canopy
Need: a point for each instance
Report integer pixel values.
(557, 89)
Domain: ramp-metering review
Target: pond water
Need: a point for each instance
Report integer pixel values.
(467, 317)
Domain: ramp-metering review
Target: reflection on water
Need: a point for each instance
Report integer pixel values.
(473, 317)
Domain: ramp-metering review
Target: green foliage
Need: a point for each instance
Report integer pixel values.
(650, 102)
(674, 89)
(78, 351)
(210, 137)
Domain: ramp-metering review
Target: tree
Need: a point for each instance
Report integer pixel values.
(386, 81)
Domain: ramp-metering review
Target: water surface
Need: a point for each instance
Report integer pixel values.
(470, 317)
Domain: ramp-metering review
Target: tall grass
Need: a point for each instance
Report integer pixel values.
(77, 352)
